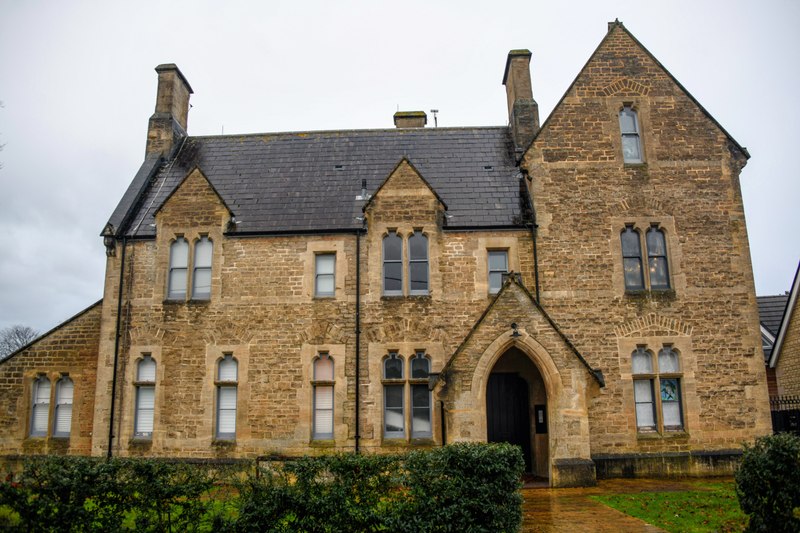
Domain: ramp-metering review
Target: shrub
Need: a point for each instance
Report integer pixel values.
(768, 483)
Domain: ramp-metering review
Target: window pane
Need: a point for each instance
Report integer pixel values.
(325, 263)
(203, 250)
(656, 244)
(393, 415)
(146, 370)
(177, 283)
(228, 369)
(420, 367)
(179, 254)
(630, 243)
(643, 394)
(323, 411)
(419, 277)
(393, 368)
(642, 362)
(393, 277)
(659, 279)
(498, 261)
(420, 410)
(323, 369)
(668, 360)
(202, 283)
(145, 402)
(41, 407)
(418, 246)
(495, 281)
(630, 148)
(43, 390)
(633, 273)
(627, 121)
(226, 417)
(669, 390)
(64, 394)
(325, 286)
(392, 247)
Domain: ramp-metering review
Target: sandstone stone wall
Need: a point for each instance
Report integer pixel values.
(70, 351)
(787, 370)
(585, 195)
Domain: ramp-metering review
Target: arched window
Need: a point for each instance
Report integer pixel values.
(670, 386)
(63, 417)
(393, 264)
(418, 263)
(657, 258)
(632, 259)
(145, 397)
(227, 384)
(393, 397)
(178, 265)
(323, 397)
(629, 128)
(201, 277)
(40, 412)
(420, 396)
(642, 369)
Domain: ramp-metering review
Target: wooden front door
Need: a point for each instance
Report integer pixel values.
(508, 414)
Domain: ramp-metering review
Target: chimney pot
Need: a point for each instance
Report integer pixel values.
(410, 119)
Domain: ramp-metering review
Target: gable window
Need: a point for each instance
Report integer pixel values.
(420, 396)
(178, 265)
(657, 390)
(324, 281)
(418, 263)
(145, 397)
(323, 397)
(63, 417)
(227, 384)
(40, 412)
(498, 265)
(393, 396)
(201, 276)
(632, 259)
(656, 275)
(629, 129)
(393, 264)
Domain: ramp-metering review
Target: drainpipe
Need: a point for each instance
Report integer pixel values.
(444, 424)
(533, 226)
(358, 336)
(116, 346)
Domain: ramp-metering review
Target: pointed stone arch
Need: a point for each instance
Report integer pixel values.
(653, 324)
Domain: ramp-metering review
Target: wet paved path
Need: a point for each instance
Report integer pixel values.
(570, 510)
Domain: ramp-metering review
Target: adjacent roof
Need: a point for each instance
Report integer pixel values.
(786, 320)
(308, 182)
(770, 311)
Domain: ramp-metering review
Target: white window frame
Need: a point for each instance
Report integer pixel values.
(418, 383)
(394, 383)
(145, 386)
(226, 385)
(63, 408)
(323, 383)
(633, 135)
(392, 292)
(178, 264)
(40, 406)
(489, 254)
(318, 275)
(202, 267)
(655, 377)
(418, 234)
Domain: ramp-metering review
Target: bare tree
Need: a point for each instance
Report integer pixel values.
(15, 337)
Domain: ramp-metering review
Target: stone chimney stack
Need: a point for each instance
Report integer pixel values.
(168, 124)
(410, 119)
(523, 111)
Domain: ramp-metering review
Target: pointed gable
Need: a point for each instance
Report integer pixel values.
(621, 71)
(194, 203)
(404, 193)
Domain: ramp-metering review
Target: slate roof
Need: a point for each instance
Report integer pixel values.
(770, 311)
(308, 182)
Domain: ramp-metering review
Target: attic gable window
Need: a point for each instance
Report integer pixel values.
(201, 276)
(393, 264)
(418, 263)
(178, 266)
(629, 128)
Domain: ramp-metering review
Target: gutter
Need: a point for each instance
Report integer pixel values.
(116, 347)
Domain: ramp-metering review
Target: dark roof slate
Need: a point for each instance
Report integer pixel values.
(308, 182)
(770, 311)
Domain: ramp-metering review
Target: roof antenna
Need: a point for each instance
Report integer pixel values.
(435, 119)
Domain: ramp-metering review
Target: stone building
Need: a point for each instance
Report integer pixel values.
(784, 360)
(580, 287)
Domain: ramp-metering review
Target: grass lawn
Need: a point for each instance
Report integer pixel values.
(710, 507)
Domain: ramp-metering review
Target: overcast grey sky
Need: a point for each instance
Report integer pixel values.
(78, 86)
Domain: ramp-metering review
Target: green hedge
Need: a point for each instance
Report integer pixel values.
(461, 487)
(768, 483)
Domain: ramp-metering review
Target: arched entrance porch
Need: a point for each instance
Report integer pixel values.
(516, 409)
